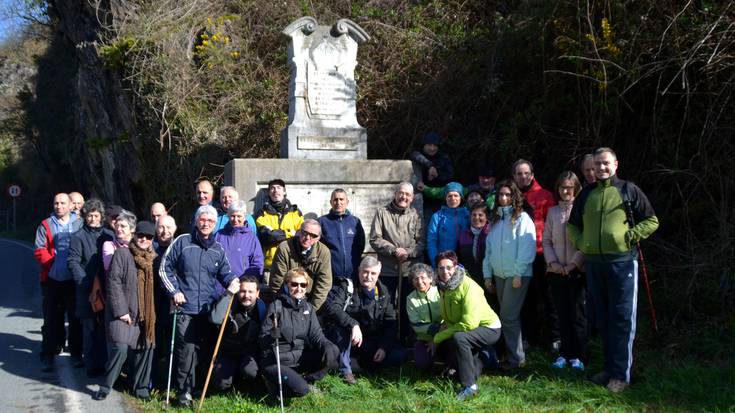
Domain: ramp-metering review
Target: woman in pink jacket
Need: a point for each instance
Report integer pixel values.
(565, 277)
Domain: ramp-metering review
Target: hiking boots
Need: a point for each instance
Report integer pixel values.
(350, 379)
(601, 378)
(616, 386)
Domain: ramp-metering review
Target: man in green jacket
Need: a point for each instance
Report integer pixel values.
(607, 221)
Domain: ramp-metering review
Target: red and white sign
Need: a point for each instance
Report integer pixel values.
(14, 191)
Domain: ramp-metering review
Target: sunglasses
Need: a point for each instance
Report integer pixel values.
(309, 234)
(144, 236)
(295, 284)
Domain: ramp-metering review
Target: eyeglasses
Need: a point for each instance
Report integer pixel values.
(294, 284)
(445, 267)
(309, 234)
(144, 236)
(206, 221)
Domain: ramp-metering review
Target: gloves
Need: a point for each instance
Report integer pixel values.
(433, 329)
(275, 333)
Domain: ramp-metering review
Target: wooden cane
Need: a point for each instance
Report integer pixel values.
(214, 356)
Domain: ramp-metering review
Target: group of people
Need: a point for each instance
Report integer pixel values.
(304, 297)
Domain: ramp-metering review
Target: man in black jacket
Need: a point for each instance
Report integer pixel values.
(361, 321)
(239, 349)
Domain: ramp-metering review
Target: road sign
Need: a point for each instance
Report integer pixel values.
(14, 191)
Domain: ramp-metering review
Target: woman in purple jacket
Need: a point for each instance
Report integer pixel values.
(240, 243)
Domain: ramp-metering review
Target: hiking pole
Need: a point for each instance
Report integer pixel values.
(214, 356)
(171, 359)
(398, 300)
(631, 219)
(278, 363)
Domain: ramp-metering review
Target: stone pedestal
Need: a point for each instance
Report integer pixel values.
(322, 121)
(309, 183)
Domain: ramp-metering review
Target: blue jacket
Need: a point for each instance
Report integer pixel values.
(444, 230)
(194, 266)
(345, 238)
(510, 249)
(243, 250)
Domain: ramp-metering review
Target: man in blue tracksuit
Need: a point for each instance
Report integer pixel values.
(192, 266)
(343, 234)
(607, 221)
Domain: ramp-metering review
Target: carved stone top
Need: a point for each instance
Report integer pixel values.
(322, 120)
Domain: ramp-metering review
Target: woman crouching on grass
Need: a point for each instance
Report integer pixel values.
(130, 314)
(469, 324)
(303, 349)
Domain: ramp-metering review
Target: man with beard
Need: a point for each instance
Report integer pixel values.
(240, 349)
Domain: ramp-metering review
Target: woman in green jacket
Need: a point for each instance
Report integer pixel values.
(469, 325)
(422, 308)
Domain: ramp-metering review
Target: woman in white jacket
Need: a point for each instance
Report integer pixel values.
(509, 254)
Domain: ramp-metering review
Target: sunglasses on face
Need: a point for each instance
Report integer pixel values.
(309, 234)
(144, 236)
(294, 284)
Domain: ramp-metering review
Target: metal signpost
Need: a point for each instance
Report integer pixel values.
(14, 192)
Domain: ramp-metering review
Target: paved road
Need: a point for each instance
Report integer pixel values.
(23, 388)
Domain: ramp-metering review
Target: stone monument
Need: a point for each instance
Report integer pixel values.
(322, 119)
(323, 147)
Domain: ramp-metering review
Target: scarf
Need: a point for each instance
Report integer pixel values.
(566, 210)
(146, 309)
(475, 237)
(453, 282)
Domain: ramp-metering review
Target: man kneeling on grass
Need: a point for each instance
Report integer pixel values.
(361, 320)
(240, 348)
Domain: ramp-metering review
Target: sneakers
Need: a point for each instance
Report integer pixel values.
(601, 378)
(185, 399)
(560, 363)
(616, 386)
(467, 392)
(350, 379)
(576, 364)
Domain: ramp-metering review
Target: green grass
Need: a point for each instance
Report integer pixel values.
(660, 385)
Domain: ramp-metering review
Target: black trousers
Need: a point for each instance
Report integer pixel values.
(313, 364)
(569, 295)
(461, 352)
(191, 333)
(391, 283)
(229, 367)
(59, 300)
(538, 315)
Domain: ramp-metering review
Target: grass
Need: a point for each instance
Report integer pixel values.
(660, 385)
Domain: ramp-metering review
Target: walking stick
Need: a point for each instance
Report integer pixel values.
(171, 358)
(214, 356)
(278, 363)
(631, 219)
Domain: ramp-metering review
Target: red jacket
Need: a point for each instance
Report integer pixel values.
(45, 251)
(541, 200)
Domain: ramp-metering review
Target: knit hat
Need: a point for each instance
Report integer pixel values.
(431, 138)
(454, 187)
(113, 211)
(145, 228)
(277, 181)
